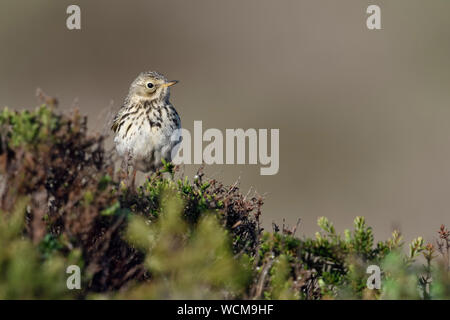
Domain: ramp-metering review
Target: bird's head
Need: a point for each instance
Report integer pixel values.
(151, 86)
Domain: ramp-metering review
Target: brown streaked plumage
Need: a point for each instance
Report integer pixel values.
(146, 127)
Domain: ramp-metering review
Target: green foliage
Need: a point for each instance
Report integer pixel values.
(399, 282)
(280, 281)
(185, 262)
(49, 245)
(336, 265)
(29, 128)
(23, 272)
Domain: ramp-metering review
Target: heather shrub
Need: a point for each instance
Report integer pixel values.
(24, 273)
(64, 201)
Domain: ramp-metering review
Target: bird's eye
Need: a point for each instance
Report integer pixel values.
(150, 85)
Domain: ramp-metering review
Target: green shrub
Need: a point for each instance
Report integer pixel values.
(24, 274)
(63, 202)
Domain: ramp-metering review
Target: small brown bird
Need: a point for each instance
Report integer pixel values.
(146, 127)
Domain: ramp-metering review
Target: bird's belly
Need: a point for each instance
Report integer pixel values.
(144, 145)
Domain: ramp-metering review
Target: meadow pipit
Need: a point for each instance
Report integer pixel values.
(146, 126)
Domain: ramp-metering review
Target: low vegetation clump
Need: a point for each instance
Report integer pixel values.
(64, 203)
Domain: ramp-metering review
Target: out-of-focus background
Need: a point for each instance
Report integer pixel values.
(363, 115)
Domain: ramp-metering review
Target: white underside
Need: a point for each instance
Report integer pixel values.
(146, 146)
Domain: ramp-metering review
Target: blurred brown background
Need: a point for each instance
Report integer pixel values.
(363, 115)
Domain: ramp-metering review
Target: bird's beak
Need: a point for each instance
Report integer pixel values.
(170, 83)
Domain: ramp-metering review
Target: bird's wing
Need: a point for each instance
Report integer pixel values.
(116, 120)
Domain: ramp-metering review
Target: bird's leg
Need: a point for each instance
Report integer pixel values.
(133, 179)
(124, 164)
(123, 172)
(124, 168)
(130, 180)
